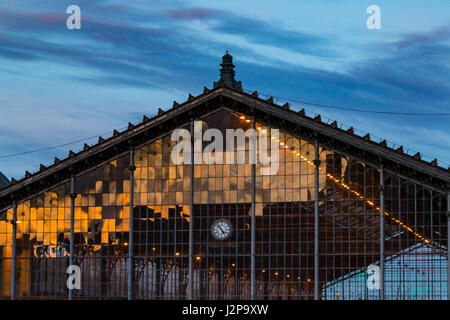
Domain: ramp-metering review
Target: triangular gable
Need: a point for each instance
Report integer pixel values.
(264, 111)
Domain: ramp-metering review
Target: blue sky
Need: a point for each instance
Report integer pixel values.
(131, 57)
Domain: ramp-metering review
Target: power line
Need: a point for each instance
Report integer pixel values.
(358, 110)
(54, 147)
(351, 109)
(61, 145)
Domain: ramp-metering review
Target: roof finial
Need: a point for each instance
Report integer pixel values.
(227, 73)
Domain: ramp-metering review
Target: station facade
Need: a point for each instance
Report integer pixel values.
(342, 217)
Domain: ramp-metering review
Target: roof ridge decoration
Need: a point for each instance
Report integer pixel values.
(434, 163)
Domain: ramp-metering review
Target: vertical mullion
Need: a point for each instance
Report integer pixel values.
(430, 271)
(366, 289)
(316, 219)
(284, 244)
(415, 228)
(13, 255)
(349, 215)
(401, 286)
(147, 260)
(207, 256)
(299, 226)
(253, 218)
(381, 233)
(191, 219)
(130, 227)
(448, 245)
(72, 227)
(269, 285)
(236, 255)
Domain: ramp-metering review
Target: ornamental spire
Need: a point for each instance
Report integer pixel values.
(227, 74)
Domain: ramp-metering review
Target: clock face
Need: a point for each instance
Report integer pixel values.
(221, 229)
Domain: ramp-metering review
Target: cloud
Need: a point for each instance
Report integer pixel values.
(151, 45)
(193, 13)
(438, 35)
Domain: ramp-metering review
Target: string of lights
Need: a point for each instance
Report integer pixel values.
(340, 183)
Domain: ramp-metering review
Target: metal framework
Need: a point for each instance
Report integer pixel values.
(342, 218)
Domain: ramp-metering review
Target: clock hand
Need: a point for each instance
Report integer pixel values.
(223, 232)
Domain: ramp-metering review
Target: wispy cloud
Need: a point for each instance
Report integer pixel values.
(175, 47)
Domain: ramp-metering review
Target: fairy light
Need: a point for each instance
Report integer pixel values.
(386, 213)
(347, 187)
(356, 193)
